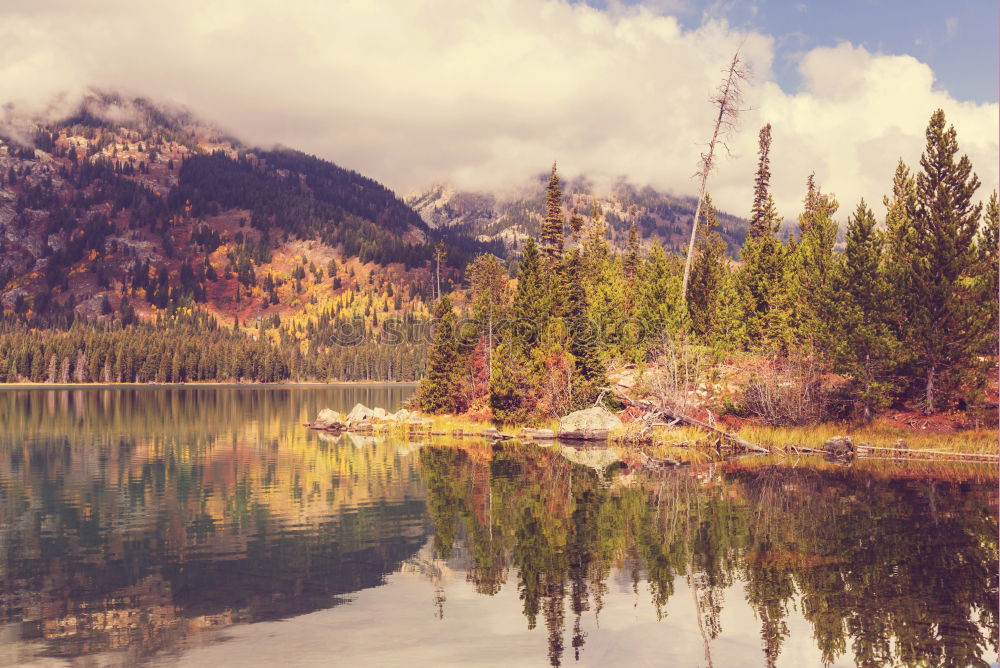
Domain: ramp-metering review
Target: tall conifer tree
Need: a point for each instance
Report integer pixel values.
(810, 270)
(865, 346)
(760, 281)
(631, 262)
(763, 217)
(987, 249)
(532, 305)
(439, 390)
(551, 236)
(589, 372)
(947, 327)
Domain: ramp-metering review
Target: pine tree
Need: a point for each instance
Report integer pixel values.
(897, 259)
(575, 224)
(865, 347)
(810, 270)
(658, 315)
(760, 281)
(589, 371)
(532, 305)
(595, 246)
(510, 396)
(438, 392)
(763, 217)
(607, 309)
(947, 327)
(551, 233)
(488, 281)
(708, 272)
(631, 263)
(988, 286)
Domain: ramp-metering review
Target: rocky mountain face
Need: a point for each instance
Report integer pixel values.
(510, 218)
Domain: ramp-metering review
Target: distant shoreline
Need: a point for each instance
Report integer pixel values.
(85, 386)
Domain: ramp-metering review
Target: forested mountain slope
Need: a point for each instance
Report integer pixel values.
(125, 215)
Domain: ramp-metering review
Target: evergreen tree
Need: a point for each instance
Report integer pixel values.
(595, 246)
(589, 372)
(438, 392)
(763, 217)
(810, 270)
(509, 401)
(532, 305)
(760, 280)
(865, 346)
(988, 287)
(488, 282)
(575, 224)
(708, 272)
(631, 263)
(607, 309)
(551, 233)
(947, 327)
(897, 258)
(659, 294)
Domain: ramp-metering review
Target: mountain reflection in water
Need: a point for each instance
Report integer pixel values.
(208, 526)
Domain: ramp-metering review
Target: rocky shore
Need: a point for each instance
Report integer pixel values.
(591, 424)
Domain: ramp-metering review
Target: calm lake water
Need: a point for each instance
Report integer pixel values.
(208, 527)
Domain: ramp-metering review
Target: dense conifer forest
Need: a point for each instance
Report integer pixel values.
(905, 313)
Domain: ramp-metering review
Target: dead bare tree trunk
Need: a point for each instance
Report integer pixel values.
(728, 99)
(438, 255)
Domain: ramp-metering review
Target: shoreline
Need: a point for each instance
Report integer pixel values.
(207, 384)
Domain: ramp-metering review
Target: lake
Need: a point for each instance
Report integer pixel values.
(207, 526)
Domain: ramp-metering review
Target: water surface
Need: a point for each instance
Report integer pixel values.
(206, 526)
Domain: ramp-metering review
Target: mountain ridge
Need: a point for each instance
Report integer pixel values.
(511, 217)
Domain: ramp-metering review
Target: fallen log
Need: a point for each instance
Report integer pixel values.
(732, 438)
(659, 411)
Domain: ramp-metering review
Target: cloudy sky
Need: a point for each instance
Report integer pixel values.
(487, 94)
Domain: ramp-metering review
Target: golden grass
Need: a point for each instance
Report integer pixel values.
(878, 433)
(455, 423)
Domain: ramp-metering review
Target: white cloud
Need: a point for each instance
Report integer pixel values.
(485, 94)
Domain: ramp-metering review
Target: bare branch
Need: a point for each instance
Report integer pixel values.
(729, 99)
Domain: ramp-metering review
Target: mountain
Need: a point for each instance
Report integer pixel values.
(125, 206)
(138, 243)
(510, 218)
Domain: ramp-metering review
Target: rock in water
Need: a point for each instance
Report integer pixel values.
(591, 424)
(360, 413)
(328, 419)
(839, 446)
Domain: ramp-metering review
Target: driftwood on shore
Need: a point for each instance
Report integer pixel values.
(654, 412)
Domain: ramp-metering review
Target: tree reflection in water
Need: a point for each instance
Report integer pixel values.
(889, 567)
(140, 520)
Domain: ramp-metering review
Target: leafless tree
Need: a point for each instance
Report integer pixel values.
(728, 99)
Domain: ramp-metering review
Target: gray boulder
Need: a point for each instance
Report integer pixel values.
(839, 446)
(360, 413)
(328, 419)
(591, 424)
(402, 415)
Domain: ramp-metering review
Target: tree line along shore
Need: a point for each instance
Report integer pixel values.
(901, 315)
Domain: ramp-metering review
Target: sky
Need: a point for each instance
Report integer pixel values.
(486, 95)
